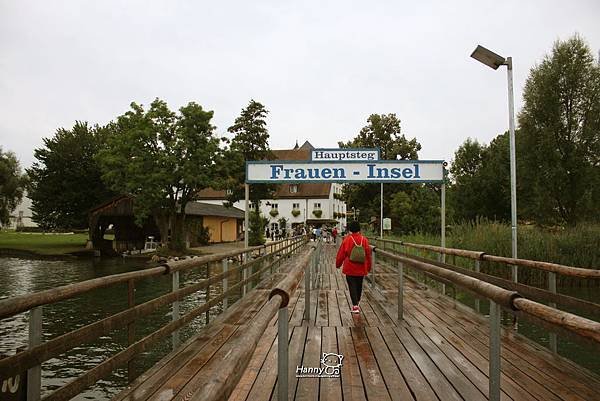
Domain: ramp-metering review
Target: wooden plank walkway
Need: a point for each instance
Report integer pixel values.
(438, 352)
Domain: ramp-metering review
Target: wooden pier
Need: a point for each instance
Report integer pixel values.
(438, 351)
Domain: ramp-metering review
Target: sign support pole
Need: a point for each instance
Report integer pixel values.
(443, 218)
(381, 214)
(246, 214)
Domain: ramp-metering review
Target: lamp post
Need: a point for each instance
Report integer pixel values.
(494, 61)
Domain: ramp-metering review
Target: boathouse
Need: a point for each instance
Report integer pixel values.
(223, 224)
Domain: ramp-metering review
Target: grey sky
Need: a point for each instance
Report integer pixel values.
(320, 67)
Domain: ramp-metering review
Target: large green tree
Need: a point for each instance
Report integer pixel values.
(383, 131)
(11, 185)
(65, 180)
(560, 129)
(163, 158)
(250, 142)
(481, 180)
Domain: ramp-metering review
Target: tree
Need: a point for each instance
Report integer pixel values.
(560, 126)
(415, 211)
(11, 185)
(163, 159)
(65, 180)
(250, 142)
(481, 180)
(382, 131)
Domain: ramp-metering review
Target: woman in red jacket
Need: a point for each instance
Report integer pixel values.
(356, 262)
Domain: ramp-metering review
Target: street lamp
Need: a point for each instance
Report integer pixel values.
(494, 61)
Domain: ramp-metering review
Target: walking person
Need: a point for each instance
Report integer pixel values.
(334, 234)
(354, 256)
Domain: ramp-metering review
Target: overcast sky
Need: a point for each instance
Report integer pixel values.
(320, 67)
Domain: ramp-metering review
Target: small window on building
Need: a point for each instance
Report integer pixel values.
(293, 189)
(274, 206)
(252, 206)
(229, 191)
(317, 206)
(295, 206)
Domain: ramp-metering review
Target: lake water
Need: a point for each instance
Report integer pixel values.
(22, 276)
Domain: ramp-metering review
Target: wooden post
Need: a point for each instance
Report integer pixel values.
(175, 309)
(207, 296)
(244, 273)
(34, 374)
(282, 354)
(373, 261)
(494, 355)
(477, 269)
(552, 339)
(225, 265)
(400, 291)
(307, 284)
(131, 329)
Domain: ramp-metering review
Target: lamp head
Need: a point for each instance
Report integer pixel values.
(488, 57)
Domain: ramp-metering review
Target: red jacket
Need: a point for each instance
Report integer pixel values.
(351, 268)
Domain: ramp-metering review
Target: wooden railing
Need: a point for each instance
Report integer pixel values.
(255, 261)
(499, 298)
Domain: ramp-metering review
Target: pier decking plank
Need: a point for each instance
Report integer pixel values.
(438, 352)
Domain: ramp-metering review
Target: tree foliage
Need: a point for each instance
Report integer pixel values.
(250, 142)
(163, 159)
(481, 180)
(65, 180)
(560, 126)
(383, 131)
(11, 185)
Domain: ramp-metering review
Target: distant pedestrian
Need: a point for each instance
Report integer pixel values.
(334, 234)
(354, 256)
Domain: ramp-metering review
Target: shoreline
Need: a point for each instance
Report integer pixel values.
(28, 254)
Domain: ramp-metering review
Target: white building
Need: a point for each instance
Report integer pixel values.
(22, 216)
(311, 204)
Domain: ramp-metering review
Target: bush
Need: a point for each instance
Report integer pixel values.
(295, 212)
(203, 237)
(318, 213)
(257, 229)
(274, 212)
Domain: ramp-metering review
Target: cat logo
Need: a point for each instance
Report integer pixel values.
(332, 363)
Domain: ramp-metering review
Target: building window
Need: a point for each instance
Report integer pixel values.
(251, 206)
(274, 206)
(295, 206)
(293, 189)
(229, 191)
(317, 206)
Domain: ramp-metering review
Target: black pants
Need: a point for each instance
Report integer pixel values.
(355, 284)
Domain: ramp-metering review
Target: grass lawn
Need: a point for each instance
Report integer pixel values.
(43, 244)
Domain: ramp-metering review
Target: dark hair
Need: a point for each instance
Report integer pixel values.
(354, 226)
